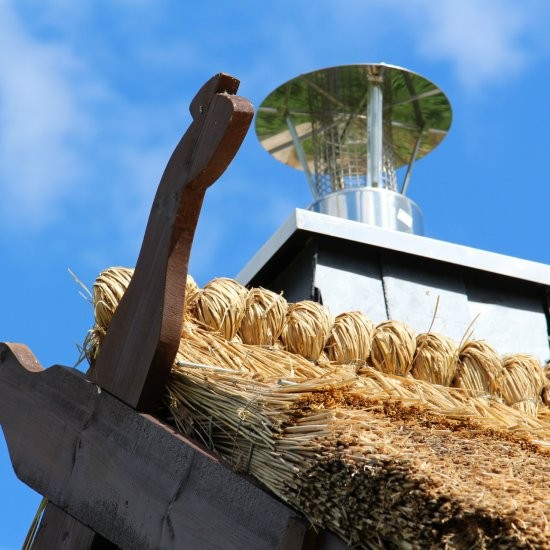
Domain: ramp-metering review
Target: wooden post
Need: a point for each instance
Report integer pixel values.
(143, 337)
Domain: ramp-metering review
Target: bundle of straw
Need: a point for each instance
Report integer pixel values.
(545, 393)
(543, 412)
(264, 317)
(192, 292)
(479, 369)
(435, 359)
(108, 290)
(350, 338)
(200, 346)
(112, 283)
(307, 327)
(521, 382)
(221, 306)
(393, 347)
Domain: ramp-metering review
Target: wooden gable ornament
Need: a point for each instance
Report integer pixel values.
(113, 474)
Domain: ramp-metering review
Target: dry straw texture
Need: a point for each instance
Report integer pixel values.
(108, 290)
(393, 347)
(435, 359)
(264, 317)
(479, 369)
(383, 460)
(350, 338)
(545, 394)
(521, 382)
(192, 292)
(221, 306)
(381, 466)
(307, 328)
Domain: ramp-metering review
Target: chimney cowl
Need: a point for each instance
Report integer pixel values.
(349, 128)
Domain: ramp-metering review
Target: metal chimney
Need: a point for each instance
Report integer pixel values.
(349, 128)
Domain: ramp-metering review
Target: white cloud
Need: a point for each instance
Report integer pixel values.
(42, 119)
(483, 40)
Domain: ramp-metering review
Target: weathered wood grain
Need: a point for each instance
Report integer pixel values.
(128, 476)
(61, 531)
(143, 337)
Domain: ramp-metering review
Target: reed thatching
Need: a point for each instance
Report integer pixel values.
(379, 457)
(393, 347)
(264, 317)
(307, 328)
(521, 382)
(108, 290)
(375, 469)
(435, 359)
(221, 306)
(350, 339)
(479, 369)
(545, 393)
(192, 293)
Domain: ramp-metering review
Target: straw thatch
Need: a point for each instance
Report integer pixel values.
(373, 454)
(393, 347)
(307, 328)
(479, 369)
(192, 293)
(521, 382)
(108, 290)
(264, 317)
(374, 469)
(545, 393)
(221, 306)
(435, 359)
(350, 338)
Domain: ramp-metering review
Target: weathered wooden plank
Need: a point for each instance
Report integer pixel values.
(60, 531)
(142, 340)
(128, 476)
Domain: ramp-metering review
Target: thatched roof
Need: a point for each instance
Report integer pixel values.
(352, 424)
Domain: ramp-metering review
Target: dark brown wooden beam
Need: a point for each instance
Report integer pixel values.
(131, 478)
(142, 340)
(61, 531)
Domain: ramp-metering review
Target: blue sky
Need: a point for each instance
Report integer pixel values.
(95, 95)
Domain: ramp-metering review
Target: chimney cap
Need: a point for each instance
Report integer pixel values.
(416, 106)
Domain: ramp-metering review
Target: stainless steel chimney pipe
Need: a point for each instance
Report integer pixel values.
(349, 128)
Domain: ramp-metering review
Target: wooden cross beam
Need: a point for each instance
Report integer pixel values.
(141, 344)
(127, 476)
